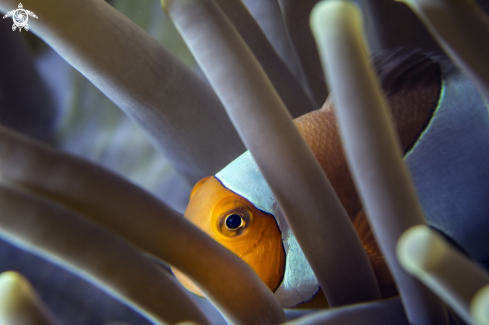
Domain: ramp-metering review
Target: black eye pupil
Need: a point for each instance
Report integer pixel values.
(233, 221)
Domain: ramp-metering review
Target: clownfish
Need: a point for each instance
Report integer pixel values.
(443, 126)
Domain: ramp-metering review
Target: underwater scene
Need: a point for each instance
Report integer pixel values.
(244, 162)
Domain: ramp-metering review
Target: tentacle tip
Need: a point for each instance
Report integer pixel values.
(420, 249)
(479, 306)
(164, 5)
(10, 280)
(329, 16)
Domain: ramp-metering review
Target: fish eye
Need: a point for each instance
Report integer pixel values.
(233, 221)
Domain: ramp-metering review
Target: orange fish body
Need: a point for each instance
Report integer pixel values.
(236, 206)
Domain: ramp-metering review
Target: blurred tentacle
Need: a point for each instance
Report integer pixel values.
(181, 114)
(391, 24)
(296, 15)
(19, 302)
(466, 41)
(312, 209)
(268, 15)
(479, 306)
(26, 105)
(67, 295)
(141, 219)
(382, 312)
(372, 148)
(64, 238)
(287, 86)
(451, 275)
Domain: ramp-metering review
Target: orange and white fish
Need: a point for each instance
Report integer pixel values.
(237, 208)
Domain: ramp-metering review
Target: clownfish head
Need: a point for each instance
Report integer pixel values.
(235, 223)
(237, 208)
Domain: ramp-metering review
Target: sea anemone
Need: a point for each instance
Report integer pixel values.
(120, 238)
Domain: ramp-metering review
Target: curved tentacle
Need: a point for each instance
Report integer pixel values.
(317, 218)
(452, 276)
(296, 16)
(64, 238)
(382, 312)
(268, 15)
(181, 114)
(372, 148)
(467, 47)
(287, 86)
(109, 201)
